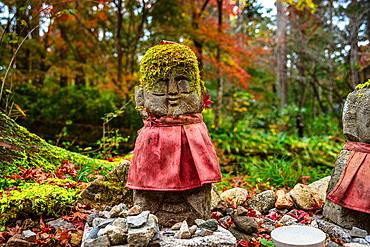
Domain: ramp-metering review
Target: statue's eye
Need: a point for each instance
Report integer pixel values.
(183, 84)
(160, 88)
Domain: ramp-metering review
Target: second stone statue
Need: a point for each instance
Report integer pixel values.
(174, 162)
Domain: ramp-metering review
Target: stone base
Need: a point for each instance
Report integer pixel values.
(344, 217)
(174, 206)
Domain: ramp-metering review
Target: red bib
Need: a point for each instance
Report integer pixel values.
(173, 153)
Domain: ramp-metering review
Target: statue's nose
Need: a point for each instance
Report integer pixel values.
(173, 87)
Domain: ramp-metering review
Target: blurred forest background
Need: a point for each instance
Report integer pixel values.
(279, 81)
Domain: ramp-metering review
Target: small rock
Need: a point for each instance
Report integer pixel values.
(241, 211)
(263, 202)
(367, 238)
(94, 233)
(268, 224)
(360, 241)
(137, 220)
(91, 217)
(104, 214)
(114, 212)
(305, 197)
(205, 232)
(56, 224)
(76, 239)
(123, 213)
(105, 223)
(223, 221)
(176, 226)
(321, 187)
(169, 233)
(334, 231)
(108, 208)
(239, 235)
(193, 229)
(287, 220)
(229, 211)
(115, 234)
(123, 206)
(97, 221)
(29, 235)
(246, 224)
(184, 230)
(142, 236)
(221, 207)
(121, 223)
(28, 223)
(357, 232)
(236, 195)
(210, 224)
(219, 214)
(281, 200)
(199, 221)
(135, 210)
(332, 244)
(17, 241)
(102, 241)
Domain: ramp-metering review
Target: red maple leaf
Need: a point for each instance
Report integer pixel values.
(206, 100)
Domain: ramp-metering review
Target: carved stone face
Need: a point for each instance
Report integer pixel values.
(356, 116)
(171, 96)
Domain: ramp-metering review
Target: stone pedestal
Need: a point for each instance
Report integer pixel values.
(175, 206)
(344, 217)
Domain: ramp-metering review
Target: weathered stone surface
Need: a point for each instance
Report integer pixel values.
(102, 241)
(367, 238)
(199, 221)
(105, 223)
(107, 208)
(121, 223)
(115, 234)
(176, 206)
(215, 197)
(17, 241)
(29, 236)
(87, 231)
(193, 229)
(241, 211)
(76, 239)
(135, 210)
(287, 220)
(114, 212)
(136, 221)
(334, 231)
(219, 238)
(210, 224)
(123, 206)
(268, 224)
(184, 230)
(176, 226)
(246, 224)
(223, 221)
(58, 223)
(360, 241)
(91, 217)
(97, 221)
(205, 232)
(321, 187)
(229, 211)
(108, 190)
(332, 244)
(263, 202)
(305, 196)
(141, 236)
(239, 235)
(357, 232)
(281, 200)
(236, 195)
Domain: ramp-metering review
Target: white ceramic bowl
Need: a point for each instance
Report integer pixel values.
(292, 236)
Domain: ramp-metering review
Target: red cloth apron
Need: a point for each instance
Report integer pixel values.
(173, 153)
(353, 188)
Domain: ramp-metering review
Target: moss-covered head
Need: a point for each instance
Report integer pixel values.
(162, 60)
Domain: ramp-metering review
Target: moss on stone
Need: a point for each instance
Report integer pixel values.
(160, 60)
(20, 147)
(51, 198)
(363, 85)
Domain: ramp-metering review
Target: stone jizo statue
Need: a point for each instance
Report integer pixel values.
(174, 162)
(348, 201)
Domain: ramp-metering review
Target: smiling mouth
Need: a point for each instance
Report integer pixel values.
(173, 101)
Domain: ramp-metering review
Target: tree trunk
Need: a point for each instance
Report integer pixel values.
(282, 54)
(118, 42)
(220, 83)
(353, 41)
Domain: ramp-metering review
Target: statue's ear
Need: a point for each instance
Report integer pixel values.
(139, 100)
(349, 117)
